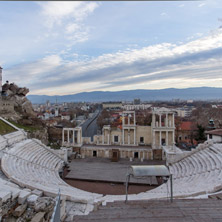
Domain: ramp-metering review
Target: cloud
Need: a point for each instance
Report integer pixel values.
(164, 63)
(163, 14)
(201, 5)
(56, 12)
(65, 19)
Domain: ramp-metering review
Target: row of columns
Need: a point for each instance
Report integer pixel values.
(128, 139)
(128, 114)
(123, 136)
(160, 137)
(168, 123)
(71, 132)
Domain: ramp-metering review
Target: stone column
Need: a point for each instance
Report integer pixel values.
(167, 120)
(154, 139)
(68, 136)
(153, 120)
(173, 138)
(63, 132)
(128, 137)
(167, 138)
(173, 120)
(73, 136)
(103, 139)
(128, 120)
(160, 125)
(134, 136)
(123, 137)
(134, 119)
(108, 137)
(160, 138)
(78, 136)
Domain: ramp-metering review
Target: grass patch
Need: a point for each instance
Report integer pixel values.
(5, 128)
(26, 128)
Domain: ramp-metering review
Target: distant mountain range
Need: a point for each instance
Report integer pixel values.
(199, 93)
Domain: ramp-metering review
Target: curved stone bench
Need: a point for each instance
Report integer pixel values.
(34, 166)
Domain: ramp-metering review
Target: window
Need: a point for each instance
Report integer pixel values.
(116, 139)
(210, 136)
(136, 155)
(94, 153)
(141, 139)
(180, 138)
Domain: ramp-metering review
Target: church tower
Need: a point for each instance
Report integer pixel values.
(0, 79)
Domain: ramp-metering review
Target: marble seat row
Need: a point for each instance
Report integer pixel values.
(31, 165)
(34, 166)
(35, 153)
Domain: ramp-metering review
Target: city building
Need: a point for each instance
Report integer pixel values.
(215, 135)
(112, 105)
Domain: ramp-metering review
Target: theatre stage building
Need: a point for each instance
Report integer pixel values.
(130, 141)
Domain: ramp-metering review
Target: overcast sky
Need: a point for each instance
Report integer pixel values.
(58, 48)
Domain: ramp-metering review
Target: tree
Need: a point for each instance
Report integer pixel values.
(200, 136)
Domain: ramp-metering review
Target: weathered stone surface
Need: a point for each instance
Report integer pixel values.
(37, 192)
(39, 217)
(4, 195)
(17, 95)
(10, 219)
(45, 204)
(20, 210)
(23, 196)
(32, 199)
(28, 215)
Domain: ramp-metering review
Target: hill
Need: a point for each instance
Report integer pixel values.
(199, 93)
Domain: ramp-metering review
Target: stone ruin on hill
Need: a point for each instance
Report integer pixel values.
(13, 102)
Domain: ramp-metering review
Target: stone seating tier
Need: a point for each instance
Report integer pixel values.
(32, 165)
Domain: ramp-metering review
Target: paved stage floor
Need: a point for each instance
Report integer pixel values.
(103, 170)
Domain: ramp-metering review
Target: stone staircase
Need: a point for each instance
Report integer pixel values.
(183, 210)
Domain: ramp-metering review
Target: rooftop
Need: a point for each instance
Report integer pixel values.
(217, 132)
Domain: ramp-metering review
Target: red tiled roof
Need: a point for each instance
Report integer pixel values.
(186, 125)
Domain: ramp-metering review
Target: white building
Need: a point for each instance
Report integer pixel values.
(215, 135)
(137, 107)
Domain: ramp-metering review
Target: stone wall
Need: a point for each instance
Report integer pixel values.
(27, 207)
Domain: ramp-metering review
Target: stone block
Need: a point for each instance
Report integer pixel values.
(4, 195)
(19, 210)
(23, 196)
(39, 217)
(45, 204)
(15, 192)
(37, 192)
(32, 199)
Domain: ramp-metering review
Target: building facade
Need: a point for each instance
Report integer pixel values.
(128, 141)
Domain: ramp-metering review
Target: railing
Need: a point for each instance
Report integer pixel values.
(56, 211)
